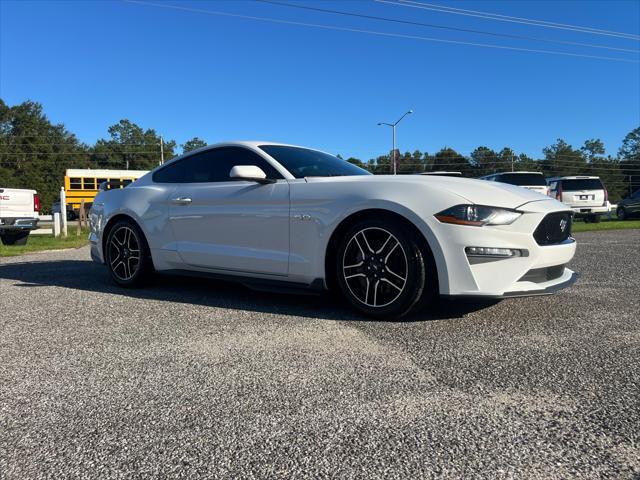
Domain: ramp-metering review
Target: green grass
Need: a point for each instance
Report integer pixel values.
(38, 243)
(580, 226)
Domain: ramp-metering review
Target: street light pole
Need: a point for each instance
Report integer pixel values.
(393, 128)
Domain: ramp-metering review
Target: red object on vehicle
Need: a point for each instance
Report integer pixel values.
(606, 196)
(36, 203)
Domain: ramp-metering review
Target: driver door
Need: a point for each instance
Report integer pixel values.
(230, 225)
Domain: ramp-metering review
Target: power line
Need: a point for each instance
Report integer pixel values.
(506, 163)
(508, 18)
(444, 27)
(375, 32)
(155, 152)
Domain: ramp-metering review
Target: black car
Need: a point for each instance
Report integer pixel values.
(629, 207)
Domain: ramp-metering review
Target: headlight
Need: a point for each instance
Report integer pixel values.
(478, 215)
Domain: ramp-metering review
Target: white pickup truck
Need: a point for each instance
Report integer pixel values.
(19, 214)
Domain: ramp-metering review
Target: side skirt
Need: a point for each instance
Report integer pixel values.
(264, 285)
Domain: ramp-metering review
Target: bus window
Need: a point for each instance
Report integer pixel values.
(75, 184)
(89, 183)
(99, 181)
(126, 182)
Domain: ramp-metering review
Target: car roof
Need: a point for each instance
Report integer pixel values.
(246, 143)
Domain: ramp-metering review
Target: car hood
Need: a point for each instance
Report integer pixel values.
(480, 192)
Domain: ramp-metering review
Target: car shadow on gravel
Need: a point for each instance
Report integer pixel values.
(90, 277)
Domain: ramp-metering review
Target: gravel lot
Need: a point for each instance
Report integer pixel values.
(194, 378)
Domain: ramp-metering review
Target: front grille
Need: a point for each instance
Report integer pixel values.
(541, 275)
(555, 228)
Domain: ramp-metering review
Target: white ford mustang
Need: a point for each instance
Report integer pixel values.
(264, 213)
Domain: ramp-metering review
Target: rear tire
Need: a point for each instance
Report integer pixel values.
(127, 254)
(595, 219)
(15, 238)
(382, 270)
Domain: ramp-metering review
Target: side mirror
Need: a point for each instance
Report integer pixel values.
(250, 173)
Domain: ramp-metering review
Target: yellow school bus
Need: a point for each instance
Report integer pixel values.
(83, 184)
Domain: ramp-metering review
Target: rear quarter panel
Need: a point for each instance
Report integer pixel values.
(146, 204)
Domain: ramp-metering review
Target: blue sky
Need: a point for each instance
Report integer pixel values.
(188, 73)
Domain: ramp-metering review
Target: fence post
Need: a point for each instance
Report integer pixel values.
(56, 225)
(63, 211)
(84, 216)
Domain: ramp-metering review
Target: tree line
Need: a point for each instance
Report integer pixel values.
(620, 174)
(34, 153)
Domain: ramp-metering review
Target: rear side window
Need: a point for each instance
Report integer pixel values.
(520, 179)
(75, 183)
(172, 173)
(575, 184)
(212, 166)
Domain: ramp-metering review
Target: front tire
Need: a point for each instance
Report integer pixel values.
(127, 254)
(381, 269)
(622, 214)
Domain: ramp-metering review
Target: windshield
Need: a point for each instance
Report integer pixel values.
(521, 179)
(581, 184)
(302, 162)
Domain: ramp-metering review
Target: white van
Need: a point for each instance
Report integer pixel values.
(585, 195)
(19, 214)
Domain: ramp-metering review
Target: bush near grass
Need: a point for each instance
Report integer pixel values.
(39, 243)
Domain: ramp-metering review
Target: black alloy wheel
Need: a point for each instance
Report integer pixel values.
(127, 254)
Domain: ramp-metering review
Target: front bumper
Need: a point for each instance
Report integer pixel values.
(568, 278)
(505, 277)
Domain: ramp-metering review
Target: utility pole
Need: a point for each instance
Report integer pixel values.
(393, 151)
(161, 150)
(393, 127)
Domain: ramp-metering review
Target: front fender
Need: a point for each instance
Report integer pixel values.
(316, 214)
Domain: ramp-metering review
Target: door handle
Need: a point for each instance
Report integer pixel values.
(181, 201)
